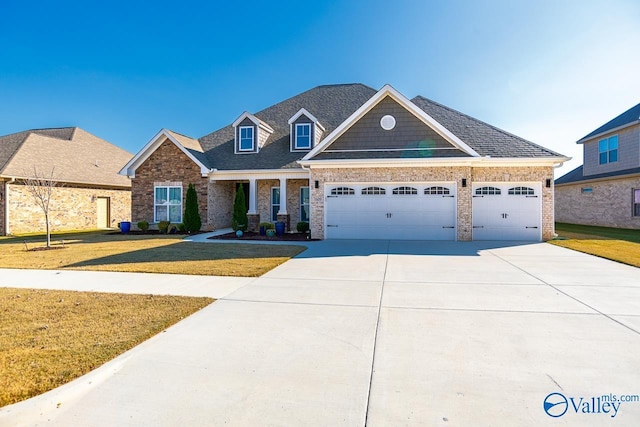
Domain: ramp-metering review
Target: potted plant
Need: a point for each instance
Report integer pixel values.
(264, 226)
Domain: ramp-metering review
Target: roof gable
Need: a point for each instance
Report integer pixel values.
(441, 134)
(189, 146)
(628, 118)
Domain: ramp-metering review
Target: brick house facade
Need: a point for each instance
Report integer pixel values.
(340, 140)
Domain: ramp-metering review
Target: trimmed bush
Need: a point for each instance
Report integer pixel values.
(302, 227)
(239, 220)
(163, 226)
(173, 228)
(182, 228)
(143, 225)
(192, 222)
(268, 225)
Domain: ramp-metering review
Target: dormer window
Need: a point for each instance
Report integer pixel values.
(247, 142)
(303, 136)
(305, 131)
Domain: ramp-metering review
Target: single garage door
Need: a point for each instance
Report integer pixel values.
(403, 211)
(507, 211)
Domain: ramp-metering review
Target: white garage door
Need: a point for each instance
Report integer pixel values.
(403, 211)
(507, 211)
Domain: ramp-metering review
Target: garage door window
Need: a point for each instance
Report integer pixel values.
(405, 191)
(373, 191)
(521, 191)
(436, 190)
(487, 191)
(343, 191)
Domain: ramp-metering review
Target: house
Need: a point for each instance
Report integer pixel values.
(90, 193)
(355, 163)
(605, 190)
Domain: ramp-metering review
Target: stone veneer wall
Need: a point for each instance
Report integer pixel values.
(167, 164)
(428, 174)
(293, 199)
(2, 208)
(608, 205)
(71, 208)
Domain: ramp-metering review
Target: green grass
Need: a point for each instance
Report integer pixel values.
(101, 251)
(617, 244)
(48, 338)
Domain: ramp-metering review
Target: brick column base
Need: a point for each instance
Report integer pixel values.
(254, 222)
(287, 221)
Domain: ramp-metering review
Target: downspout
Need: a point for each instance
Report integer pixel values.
(6, 206)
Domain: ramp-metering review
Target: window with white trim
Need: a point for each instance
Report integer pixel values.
(521, 191)
(304, 204)
(436, 190)
(167, 204)
(275, 203)
(246, 140)
(608, 150)
(636, 202)
(303, 136)
(373, 191)
(342, 191)
(405, 191)
(488, 191)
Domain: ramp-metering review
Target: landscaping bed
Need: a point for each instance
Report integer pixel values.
(249, 235)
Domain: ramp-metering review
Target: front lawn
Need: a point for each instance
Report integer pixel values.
(48, 338)
(617, 244)
(143, 254)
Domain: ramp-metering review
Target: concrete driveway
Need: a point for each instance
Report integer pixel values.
(381, 333)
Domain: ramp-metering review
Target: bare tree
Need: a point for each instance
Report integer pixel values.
(40, 185)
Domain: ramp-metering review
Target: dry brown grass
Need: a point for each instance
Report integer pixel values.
(616, 250)
(145, 254)
(48, 338)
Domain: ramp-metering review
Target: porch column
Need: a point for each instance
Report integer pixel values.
(283, 196)
(283, 216)
(253, 197)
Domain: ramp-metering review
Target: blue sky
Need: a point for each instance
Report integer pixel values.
(549, 71)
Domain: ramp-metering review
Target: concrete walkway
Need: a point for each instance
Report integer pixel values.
(378, 333)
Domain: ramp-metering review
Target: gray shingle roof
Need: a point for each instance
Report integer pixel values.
(76, 156)
(632, 115)
(331, 105)
(576, 175)
(485, 139)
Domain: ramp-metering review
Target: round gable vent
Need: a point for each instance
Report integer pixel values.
(388, 122)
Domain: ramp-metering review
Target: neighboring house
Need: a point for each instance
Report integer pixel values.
(355, 163)
(605, 190)
(90, 195)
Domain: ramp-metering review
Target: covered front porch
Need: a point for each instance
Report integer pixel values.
(270, 196)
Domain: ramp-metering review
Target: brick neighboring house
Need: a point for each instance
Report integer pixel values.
(605, 190)
(355, 163)
(91, 194)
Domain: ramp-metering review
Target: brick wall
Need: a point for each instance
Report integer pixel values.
(221, 197)
(609, 204)
(293, 199)
(455, 174)
(167, 164)
(71, 208)
(2, 208)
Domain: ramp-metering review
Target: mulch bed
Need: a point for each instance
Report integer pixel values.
(248, 235)
(152, 233)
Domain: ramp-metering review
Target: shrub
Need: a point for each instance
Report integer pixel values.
(302, 227)
(240, 220)
(268, 225)
(192, 222)
(172, 229)
(143, 225)
(163, 226)
(182, 228)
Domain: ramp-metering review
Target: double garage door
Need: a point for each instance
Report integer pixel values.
(427, 211)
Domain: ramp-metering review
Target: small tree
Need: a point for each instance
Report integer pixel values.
(41, 186)
(239, 220)
(191, 220)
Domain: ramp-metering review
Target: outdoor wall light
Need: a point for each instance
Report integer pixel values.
(316, 184)
(548, 183)
(464, 182)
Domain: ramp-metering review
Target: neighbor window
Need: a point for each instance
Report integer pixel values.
(303, 136)
(304, 204)
(246, 138)
(275, 203)
(586, 190)
(636, 202)
(608, 150)
(168, 204)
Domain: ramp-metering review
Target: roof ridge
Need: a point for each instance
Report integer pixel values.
(181, 134)
(487, 124)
